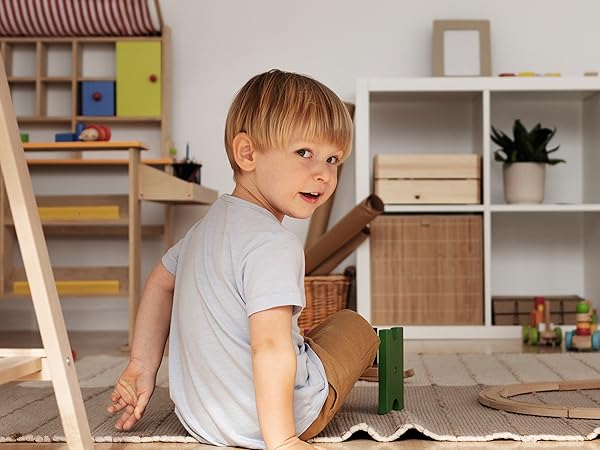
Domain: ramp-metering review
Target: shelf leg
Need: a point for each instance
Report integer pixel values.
(135, 241)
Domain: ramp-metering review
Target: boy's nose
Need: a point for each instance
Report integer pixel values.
(322, 173)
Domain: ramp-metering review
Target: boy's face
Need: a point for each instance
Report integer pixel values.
(296, 180)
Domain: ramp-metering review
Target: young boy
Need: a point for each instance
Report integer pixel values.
(231, 291)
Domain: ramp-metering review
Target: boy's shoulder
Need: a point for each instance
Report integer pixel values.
(247, 222)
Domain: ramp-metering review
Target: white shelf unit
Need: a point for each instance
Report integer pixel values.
(550, 248)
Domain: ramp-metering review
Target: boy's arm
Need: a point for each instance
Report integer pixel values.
(136, 384)
(274, 367)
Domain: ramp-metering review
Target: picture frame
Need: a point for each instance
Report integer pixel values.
(461, 48)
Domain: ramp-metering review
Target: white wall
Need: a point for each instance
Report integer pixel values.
(218, 44)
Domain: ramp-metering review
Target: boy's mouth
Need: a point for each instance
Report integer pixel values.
(311, 197)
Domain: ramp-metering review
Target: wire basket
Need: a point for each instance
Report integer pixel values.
(325, 295)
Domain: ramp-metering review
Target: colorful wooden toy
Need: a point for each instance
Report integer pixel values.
(65, 137)
(540, 331)
(500, 398)
(95, 132)
(585, 336)
(391, 370)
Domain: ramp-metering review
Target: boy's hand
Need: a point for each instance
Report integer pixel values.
(294, 443)
(131, 394)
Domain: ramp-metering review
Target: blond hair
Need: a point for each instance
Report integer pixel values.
(276, 107)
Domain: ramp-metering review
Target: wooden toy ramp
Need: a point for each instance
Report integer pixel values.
(54, 362)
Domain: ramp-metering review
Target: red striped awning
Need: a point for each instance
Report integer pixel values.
(56, 18)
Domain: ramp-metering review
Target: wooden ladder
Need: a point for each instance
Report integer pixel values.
(54, 362)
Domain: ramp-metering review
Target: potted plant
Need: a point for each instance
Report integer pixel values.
(525, 157)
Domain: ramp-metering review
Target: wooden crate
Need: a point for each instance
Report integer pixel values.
(428, 179)
(515, 309)
(427, 270)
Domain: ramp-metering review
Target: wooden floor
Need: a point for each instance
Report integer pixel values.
(110, 343)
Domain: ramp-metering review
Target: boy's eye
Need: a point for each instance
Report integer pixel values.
(304, 153)
(333, 160)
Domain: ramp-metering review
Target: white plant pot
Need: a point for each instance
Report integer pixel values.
(524, 182)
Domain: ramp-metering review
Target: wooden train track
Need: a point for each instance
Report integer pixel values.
(500, 398)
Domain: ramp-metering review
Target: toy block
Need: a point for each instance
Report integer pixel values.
(75, 287)
(391, 370)
(65, 137)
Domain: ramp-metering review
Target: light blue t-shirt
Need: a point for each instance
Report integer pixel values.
(234, 262)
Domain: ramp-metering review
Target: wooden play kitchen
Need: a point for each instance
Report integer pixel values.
(97, 216)
(54, 89)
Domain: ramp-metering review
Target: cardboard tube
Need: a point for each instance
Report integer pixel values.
(347, 228)
(327, 266)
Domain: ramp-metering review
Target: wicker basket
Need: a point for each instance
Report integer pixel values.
(325, 295)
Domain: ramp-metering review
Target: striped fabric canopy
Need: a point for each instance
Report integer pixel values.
(55, 18)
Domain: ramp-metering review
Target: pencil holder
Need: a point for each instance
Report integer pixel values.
(188, 171)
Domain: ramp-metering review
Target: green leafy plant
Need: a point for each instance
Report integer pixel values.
(526, 146)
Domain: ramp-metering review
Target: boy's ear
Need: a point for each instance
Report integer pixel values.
(243, 152)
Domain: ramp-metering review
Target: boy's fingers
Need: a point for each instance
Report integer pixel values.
(141, 405)
(122, 423)
(117, 405)
(119, 423)
(129, 423)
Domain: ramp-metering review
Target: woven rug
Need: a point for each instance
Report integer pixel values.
(440, 402)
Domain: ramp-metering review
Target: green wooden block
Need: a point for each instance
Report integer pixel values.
(391, 370)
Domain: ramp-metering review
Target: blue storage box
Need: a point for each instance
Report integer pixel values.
(97, 98)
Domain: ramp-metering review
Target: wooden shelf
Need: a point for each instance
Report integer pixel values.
(83, 274)
(96, 229)
(76, 228)
(95, 162)
(528, 249)
(82, 146)
(107, 119)
(119, 119)
(62, 80)
(159, 186)
(21, 79)
(46, 120)
(95, 78)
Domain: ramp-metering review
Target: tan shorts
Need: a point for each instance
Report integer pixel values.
(347, 345)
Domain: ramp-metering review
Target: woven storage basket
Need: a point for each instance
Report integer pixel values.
(325, 295)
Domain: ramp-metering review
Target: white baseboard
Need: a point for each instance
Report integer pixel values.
(79, 315)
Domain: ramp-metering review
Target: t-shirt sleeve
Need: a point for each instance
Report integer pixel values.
(170, 259)
(273, 275)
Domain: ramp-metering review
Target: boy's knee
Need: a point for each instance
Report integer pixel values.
(356, 320)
